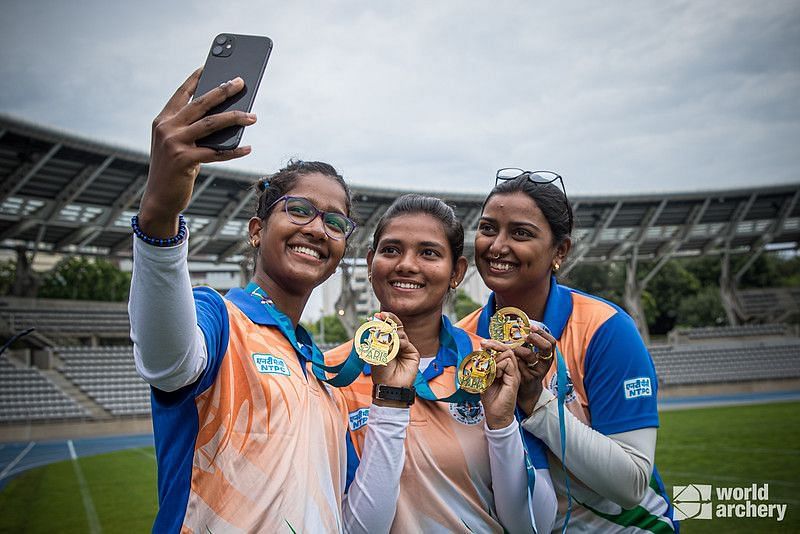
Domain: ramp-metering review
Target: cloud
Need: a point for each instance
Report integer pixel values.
(623, 97)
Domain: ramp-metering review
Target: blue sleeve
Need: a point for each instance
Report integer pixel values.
(212, 318)
(620, 379)
(352, 462)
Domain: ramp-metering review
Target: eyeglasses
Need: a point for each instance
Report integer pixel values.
(301, 212)
(537, 177)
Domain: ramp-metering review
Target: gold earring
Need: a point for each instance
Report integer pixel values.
(453, 284)
(254, 243)
(556, 266)
(369, 276)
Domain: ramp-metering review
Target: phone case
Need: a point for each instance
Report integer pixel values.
(233, 55)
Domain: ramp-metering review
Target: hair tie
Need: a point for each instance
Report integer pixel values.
(263, 184)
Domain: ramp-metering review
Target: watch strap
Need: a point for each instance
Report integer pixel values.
(392, 393)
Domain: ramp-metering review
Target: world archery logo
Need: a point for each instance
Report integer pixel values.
(692, 501)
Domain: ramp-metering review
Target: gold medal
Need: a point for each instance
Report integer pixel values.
(376, 342)
(510, 326)
(477, 372)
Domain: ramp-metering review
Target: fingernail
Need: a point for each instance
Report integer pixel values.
(237, 79)
(252, 117)
(247, 149)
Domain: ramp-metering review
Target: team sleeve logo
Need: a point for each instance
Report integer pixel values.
(270, 364)
(570, 395)
(358, 418)
(637, 387)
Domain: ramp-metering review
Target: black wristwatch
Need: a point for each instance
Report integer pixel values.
(391, 393)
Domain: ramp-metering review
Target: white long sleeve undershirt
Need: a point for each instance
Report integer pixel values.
(510, 484)
(371, 501)
(617, 466)
(169, 348)
(170, 353)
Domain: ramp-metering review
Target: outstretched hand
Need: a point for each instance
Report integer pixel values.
(175, 159)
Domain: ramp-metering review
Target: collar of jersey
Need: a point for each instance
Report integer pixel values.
(556, 312)
(262, 311)
(447, 355)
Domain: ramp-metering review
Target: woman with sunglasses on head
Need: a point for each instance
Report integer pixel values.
(464, 467)
(248, 438)
(523, 238)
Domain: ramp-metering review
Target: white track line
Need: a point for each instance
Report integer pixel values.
(146, 454)
(16, 460)
(88, 504)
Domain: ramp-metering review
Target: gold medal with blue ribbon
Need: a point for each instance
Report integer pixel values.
(509, 326)
(376, 342)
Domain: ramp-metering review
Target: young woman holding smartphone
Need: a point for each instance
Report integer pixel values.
(248, 438)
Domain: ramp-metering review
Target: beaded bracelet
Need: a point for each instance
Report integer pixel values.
(156, 242)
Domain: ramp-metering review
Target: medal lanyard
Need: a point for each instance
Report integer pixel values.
(561, 381)
(453, 340)
(344, 373)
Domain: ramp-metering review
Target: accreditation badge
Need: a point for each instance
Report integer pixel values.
(476, 372)
(376, 342)
(509, 326)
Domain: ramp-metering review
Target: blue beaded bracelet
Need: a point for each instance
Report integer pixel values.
(156, 242)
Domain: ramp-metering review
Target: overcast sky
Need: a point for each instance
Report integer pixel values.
(618, 97)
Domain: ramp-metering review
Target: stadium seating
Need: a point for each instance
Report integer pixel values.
(108, 376)
(727, 362)
(718, 333)
(65, 320)
(27, 395)
(770, 304)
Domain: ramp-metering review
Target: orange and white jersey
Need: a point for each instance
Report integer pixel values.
(257, 443)
(446, 482)
(612, 387)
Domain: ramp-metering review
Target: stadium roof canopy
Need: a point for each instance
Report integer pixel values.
(63, 193)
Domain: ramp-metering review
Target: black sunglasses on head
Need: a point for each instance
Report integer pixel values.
(538, 177)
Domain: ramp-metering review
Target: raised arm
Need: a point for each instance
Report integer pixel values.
(169, 348)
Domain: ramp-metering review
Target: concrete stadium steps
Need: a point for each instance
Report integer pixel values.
(107, 376)
(28, 395)
(64, 321)
(727, 362)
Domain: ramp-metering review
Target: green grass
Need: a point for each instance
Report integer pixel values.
(122, 486)
(731, 446)
(735, 447)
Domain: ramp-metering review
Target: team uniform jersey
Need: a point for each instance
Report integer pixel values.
(257, 443)
(614, 388)
(446, 483)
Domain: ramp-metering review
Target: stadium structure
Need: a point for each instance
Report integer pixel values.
(62, 194)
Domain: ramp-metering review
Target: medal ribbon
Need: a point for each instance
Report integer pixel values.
(344, 373)
(561, 381)
(452, 340)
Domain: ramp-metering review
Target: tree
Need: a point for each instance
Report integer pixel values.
(86, 279)
(7, 272)
(464, 305)
(335, 331)
(702, 309)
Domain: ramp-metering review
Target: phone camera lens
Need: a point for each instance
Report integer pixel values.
(217, 50)
(221, 40)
